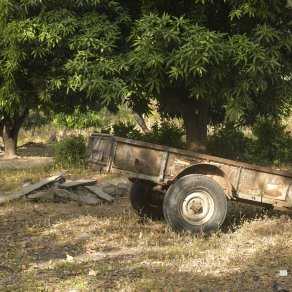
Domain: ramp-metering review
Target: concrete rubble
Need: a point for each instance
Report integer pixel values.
(58, 189)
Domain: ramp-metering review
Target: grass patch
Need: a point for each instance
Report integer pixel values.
(13, 179)
(41, 248)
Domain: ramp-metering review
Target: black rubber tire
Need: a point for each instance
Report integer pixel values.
(179, 202)
(145, 201)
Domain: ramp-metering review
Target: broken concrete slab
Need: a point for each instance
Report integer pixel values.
(89, 199)
(119, 189)
(31, 188)
(65, 194)
(108, 188)
(47, 195)
(123, 189)
(100, 193)
(82, 182)
(82, 197)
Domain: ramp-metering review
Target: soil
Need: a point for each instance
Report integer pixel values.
(72, 247)
(31, 156)
(24, 162)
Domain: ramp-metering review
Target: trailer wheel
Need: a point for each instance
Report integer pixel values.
(146, 201)
(195, 203)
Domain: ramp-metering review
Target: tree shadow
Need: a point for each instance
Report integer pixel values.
(34, 149)
(24, 243)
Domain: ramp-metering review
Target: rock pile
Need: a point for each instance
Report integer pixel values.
(57, 189)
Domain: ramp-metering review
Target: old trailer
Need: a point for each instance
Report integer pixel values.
(190, 190)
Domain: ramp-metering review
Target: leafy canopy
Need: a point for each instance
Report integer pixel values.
(60, 54)
(234, 54)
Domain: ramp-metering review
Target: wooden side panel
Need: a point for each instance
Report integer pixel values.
(160, 163)
(137, 159)
(260, 184)
(177, 163)
(101, 148)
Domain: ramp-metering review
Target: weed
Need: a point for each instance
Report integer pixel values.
(71, 152)
(164, 133)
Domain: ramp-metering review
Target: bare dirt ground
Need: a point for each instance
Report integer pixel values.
(71, 247)
(24, 162)
(29, 157)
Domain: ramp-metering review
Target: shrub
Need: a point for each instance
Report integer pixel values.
(78, 120)
(165, 134)
(273, 143)
(228, 141)
(71, 152)
(36, 119)
(126, 130)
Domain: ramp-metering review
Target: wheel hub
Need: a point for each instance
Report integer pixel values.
(197, 208)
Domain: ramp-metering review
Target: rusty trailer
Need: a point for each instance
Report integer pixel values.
(190, 190)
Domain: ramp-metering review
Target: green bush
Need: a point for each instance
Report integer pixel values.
(228, 141)
(36, 119)
(71, 152)
(78, 120)
(273, 143)
(126, 130)
(165, 134)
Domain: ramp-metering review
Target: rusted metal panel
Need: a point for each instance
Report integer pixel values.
(163, 164)
(264, 185)
(137, 159)
(204, 157)
(290, 193)
(178, 162)
(100, 147)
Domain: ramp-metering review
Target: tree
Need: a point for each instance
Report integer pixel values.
(206, 60)
(57, 55)
(203, 60)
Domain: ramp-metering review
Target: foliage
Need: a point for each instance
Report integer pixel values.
(77, 120)
(71, 152)
(69, 48)
(62, 55)
(58, 56)
(163, 133)
(273, 143)
(173, 52)
(235, 56)
(36, 119)
(166, 134)
(228, 141)
(126, 130)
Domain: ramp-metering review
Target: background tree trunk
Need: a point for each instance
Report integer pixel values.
(9, 129)
(141, 122)
(193, 112)
(195, 122)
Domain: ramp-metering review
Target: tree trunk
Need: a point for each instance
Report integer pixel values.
(141, 122)
(10, 141)
(195, 122)
(9, 129)
(194, 113)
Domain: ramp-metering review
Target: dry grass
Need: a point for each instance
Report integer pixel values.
(71, 247)
(43, 248)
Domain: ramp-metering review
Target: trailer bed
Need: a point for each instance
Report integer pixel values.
(163, 165)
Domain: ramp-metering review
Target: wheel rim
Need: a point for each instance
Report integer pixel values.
(197, 208)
